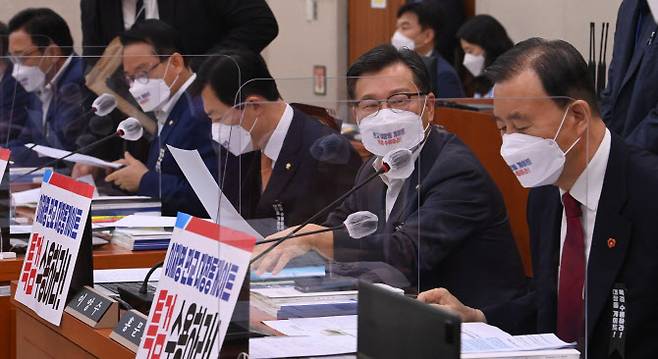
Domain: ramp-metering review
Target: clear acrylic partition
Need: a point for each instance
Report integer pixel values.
(318, 158)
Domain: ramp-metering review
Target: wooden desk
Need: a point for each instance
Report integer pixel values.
(478, 131)
(36, 338)
(108, 256)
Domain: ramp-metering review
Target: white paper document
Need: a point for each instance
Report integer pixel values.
(46, 151)
(27, 197)
(124, 275)
(484, 338)
(206, 189)
(145, 221)
(285, 347)
(291, 292)
(338, 325)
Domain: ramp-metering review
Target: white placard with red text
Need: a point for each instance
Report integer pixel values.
(4, 161)
(51, 254)
(201, 278)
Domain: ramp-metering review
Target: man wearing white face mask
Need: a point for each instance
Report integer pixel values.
(591, 211)
(160, 80)
(442, 222)
(269, 168)
(44, 64)
(416, 29)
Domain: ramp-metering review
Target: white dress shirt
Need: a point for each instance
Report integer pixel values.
(130, 13)
(394, 185)
(162, 114)
(46, 93)
(275, 143)
(587, 191)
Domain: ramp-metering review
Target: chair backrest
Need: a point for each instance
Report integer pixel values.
(319, 113)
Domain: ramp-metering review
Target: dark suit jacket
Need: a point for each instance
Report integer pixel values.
(202, 24)
(626, 212)
(630, 102)
(187, 128)
(13, 107)
(449, 226)
(446, 82)
(300, 184)
(67, 117)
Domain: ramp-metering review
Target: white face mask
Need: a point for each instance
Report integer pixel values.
(399, 41)
(474, 64)
(535, 161)
(234, 138)
(153, 94)
(388, 130)
(30, 77)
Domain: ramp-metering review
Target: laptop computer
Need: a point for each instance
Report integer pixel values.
(391, 325)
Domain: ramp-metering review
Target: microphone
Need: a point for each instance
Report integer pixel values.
(129, 129)
(102, 106)
(332, 148)
(385, 167)
(140, 301)
(591, 65)
(358, 225)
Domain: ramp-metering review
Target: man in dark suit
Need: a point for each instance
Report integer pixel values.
(417, 28)
(160, 81)
(13, 98)
(593, 233)
(447, 225)
(203, 24)
(276, 161)
(47, 67)
(629, 104)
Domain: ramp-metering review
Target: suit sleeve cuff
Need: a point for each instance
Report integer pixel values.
(149, 184)
(348, 249)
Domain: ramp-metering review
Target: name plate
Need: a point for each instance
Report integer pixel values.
(94, 308)
(130, 330)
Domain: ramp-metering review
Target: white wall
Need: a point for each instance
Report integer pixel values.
(556, 19)
(301, 44)
(68, 9)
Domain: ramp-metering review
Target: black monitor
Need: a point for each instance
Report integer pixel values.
(391, 325)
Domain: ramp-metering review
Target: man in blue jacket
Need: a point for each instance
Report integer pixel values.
(47, 67)
(13, 98)
(160, 79)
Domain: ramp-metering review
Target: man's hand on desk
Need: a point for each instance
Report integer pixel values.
(277, 259)
(128, 177)
(442, 298)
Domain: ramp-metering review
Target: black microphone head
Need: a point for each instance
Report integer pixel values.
(104, 104)
(101, 126)
(361, 224)
(332, 148)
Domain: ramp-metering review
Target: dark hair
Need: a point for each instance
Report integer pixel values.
(429, 15)
(228, 71)
(163, 38)
(383, 56)
(561, 69)
(45, 27)
(488, 33)
(4, 41)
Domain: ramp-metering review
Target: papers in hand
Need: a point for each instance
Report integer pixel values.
(46, 151)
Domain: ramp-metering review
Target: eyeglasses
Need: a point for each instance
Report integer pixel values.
(397, 103)
(20, 58)
(141, 77)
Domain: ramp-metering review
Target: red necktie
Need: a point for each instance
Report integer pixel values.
(570, 316)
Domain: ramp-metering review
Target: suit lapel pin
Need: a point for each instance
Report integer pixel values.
(288, 166)
(171, 122)
(612, 242)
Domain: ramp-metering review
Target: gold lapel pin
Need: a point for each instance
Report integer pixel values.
(612, 242)
(288, 166)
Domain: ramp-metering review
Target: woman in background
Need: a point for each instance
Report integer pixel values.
(483, 39)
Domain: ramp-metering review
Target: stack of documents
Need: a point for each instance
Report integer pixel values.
(284, 301)
(18, 174)
(338, 335)
(140, 232)
(124, 206)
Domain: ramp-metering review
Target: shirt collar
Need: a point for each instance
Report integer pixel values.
(275, 143)
(163, 113)
(587, 188)
(47, 90)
